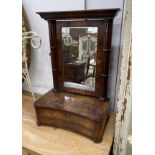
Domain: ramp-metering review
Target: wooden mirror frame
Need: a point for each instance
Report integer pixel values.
(103, 19)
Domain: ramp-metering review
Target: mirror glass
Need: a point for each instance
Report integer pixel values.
(79, 47)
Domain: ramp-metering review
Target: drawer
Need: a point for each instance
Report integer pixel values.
(67, 117)
(72, 126)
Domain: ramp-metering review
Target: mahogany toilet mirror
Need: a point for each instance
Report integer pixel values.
(80, 43)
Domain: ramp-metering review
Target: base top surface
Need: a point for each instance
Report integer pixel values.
(86, 106)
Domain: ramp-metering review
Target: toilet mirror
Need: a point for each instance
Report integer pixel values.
(79, 48)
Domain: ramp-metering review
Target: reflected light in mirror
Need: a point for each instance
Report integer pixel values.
(79, 48)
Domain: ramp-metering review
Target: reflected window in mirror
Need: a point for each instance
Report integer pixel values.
(79, 48)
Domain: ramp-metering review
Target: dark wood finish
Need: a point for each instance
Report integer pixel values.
(91, 14)
(54, 53)
(103, 47)
(46, 138)
(63, 107)
(102, 56)
(74, 72)
(59, 26)
(81, 114)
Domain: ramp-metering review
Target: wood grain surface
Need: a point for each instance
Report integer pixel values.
(103, 19)
(52, 141)
(78, 113)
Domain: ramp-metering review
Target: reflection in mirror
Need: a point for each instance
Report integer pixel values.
(79, 47)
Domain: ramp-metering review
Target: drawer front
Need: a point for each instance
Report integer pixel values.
(67, 121)
(67, 117)
(66, 125)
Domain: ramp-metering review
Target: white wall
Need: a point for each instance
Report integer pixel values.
(40, 68)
